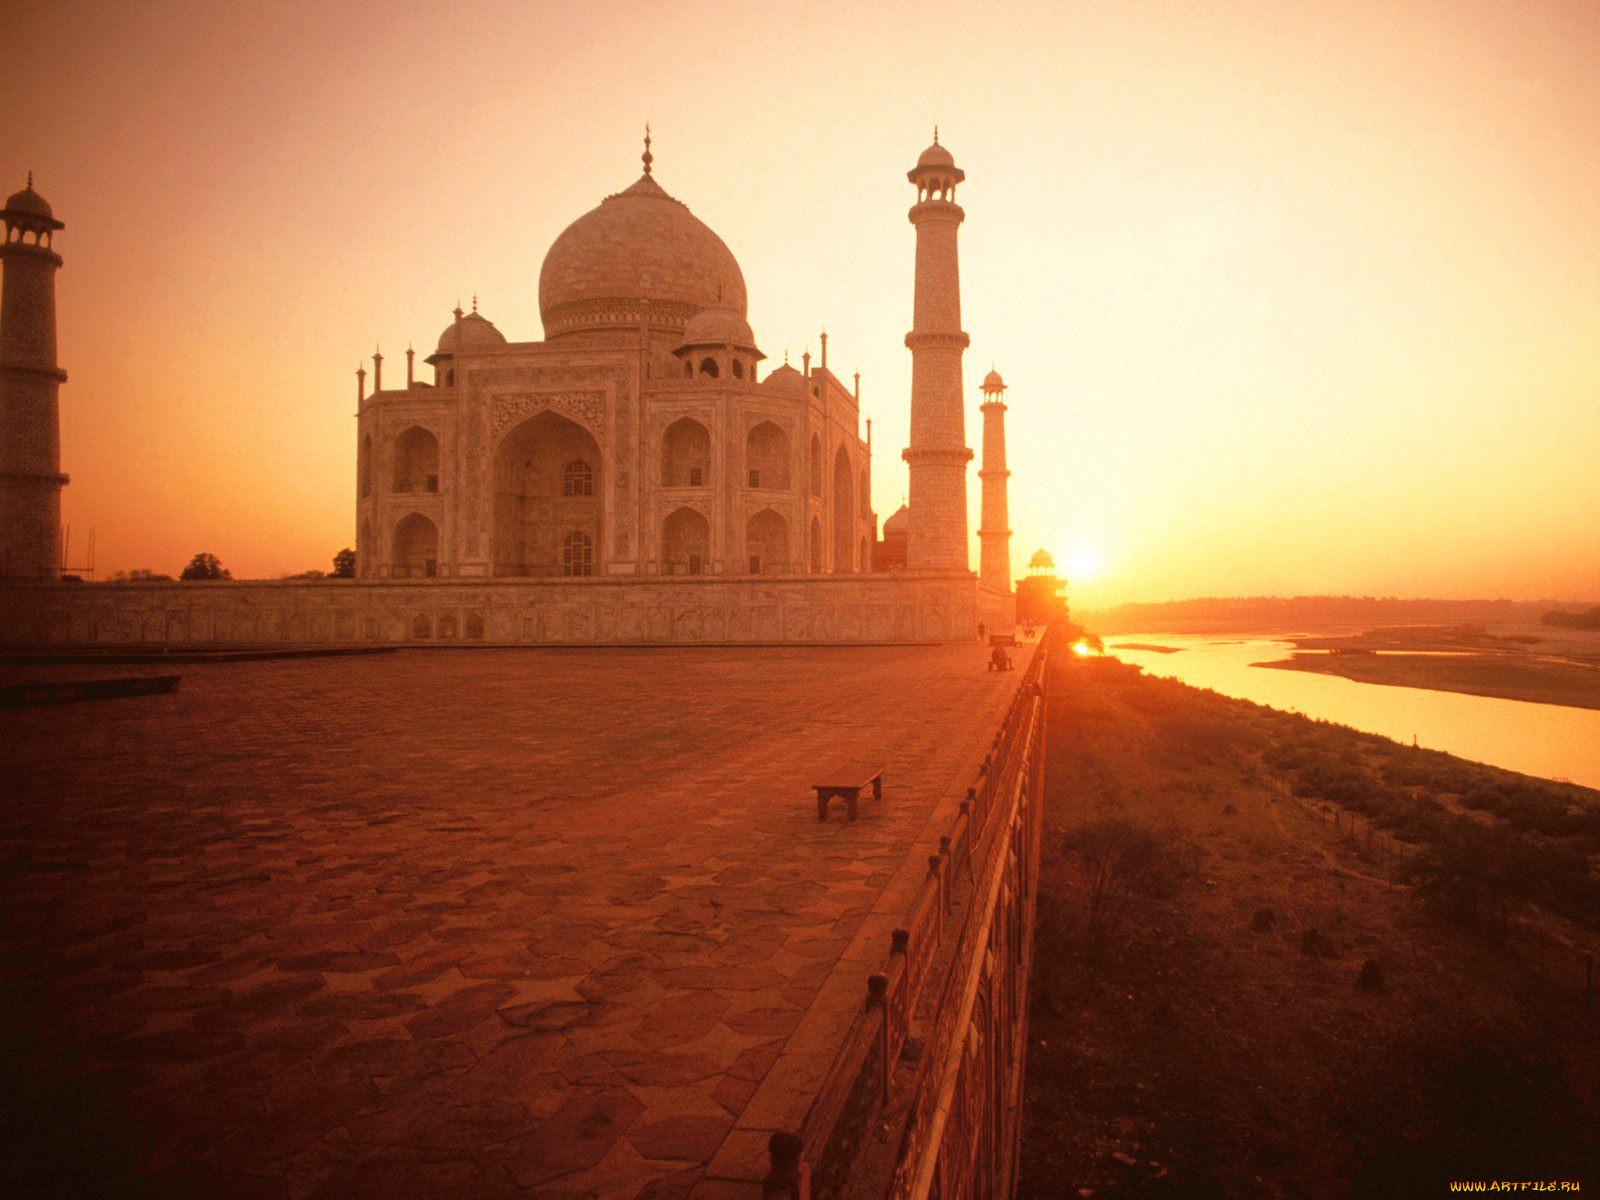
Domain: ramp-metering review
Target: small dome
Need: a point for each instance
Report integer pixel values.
(29, 201)
(785, 376)
(718, 327)
(898, 522)
(1041, 560)
(474, 332)
(993, 383)
(935, 156)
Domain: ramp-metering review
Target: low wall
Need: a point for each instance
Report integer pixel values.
(838, 609)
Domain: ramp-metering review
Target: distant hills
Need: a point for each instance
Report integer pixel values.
(1287, 613)
(1562, 618)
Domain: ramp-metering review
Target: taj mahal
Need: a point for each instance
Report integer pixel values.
(638, 475)
(738, 906)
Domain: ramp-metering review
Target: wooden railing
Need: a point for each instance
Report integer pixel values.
(943, 944)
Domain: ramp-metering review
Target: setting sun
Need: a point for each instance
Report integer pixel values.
(1085, 564)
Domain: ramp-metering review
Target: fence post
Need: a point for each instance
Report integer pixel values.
(783, 1171)
(878, 998)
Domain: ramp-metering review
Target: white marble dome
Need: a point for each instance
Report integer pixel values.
(639, 258)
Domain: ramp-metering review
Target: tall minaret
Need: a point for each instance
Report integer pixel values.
(994, 534)
(30, 419)
(938, 454)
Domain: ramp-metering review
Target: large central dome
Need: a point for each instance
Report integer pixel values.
(640, 258)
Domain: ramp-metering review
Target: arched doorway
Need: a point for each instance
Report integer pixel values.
(766, 457)
(364, 468)
(685, 543)
(416, 548)
(686, 454)
(766, 541)
(416, 461)
(547, 488)
(844, 514)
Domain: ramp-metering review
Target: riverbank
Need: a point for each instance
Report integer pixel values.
(1227, 1036)
(1537, 667)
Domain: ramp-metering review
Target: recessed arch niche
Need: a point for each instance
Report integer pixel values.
(536, 507)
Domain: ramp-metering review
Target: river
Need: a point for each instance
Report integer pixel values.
(1537, 739)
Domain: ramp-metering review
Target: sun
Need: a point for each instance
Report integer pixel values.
(1085, 563)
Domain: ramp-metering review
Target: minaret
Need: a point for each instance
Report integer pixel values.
(30, 415)
(994, 534)
(938, 454)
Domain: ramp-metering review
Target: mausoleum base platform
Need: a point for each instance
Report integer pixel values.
(898, 607)
(553, 922)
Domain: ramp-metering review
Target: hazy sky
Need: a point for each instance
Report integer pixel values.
(1291, 297)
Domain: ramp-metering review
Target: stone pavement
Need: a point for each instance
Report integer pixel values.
(441, 924)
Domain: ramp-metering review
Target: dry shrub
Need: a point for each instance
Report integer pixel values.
(1121, 859)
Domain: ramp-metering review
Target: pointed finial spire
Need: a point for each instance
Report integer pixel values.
(647, 156)
(474, 302)
(786, 356)
(935, 135)
(30, 181)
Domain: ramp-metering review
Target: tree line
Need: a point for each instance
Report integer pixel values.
(207, 566)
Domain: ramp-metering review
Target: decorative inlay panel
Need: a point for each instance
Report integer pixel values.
(588, 407)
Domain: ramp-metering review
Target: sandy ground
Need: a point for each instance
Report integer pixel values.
(1540, 664)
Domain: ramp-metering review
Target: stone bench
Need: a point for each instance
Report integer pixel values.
(854, 779)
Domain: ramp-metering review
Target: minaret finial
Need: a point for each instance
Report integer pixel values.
(935, 135)
(647, 156)
(30, 181)
(474, 302)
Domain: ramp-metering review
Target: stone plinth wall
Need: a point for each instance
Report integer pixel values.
(832, 609)
(997, 610)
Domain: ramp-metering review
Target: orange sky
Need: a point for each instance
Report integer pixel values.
(1291, 297)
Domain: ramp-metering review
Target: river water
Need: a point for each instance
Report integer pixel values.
(1536, 739)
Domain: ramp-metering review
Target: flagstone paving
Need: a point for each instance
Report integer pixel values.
(489, 923)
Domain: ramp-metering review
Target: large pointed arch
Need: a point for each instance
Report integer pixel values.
(548, 485)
